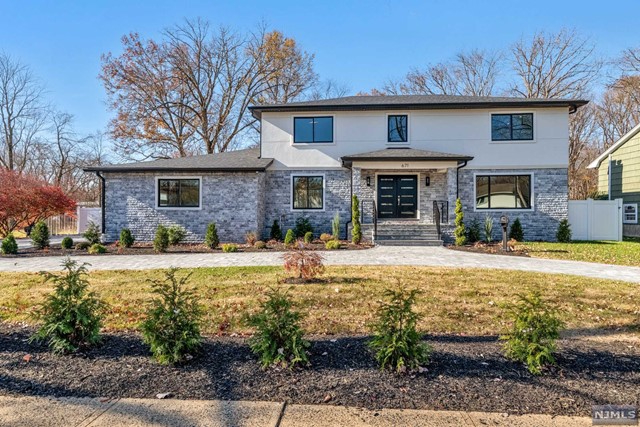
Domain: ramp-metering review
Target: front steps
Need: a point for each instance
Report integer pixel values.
(403, 233)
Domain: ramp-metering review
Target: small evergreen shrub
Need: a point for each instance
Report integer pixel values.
(251, 237)
(176, 234)
(488, 228)
(9, 245)
(279, 338)
(66, 243)
(308, 237)
(356, 231)
(459, 232)
(82, 246)
(325, 237)
(40, 235)
(532, 338)
(260, 245)
(306, 265)
(335, 226)
(564, 232)
(172, 326)
(92, 234)
(211, 236)
(515, 232)
(396, 343)
(161, 241)
(96, 249)
(126, 238)
(473, 231)
(229, 247)
(276, 231)
(290, 238)
(71, 315)
(303, 226)
(333, 245)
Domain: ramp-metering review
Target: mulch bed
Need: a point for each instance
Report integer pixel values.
(492, 248)
(466, 373)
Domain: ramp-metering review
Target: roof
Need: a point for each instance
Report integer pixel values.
(402, 154)
(619, 143)
(231, 161)
(415, 102)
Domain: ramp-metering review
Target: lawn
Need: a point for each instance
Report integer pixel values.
(453, 300)
(626, 252)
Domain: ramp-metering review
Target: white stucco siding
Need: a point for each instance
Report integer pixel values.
(465, 132)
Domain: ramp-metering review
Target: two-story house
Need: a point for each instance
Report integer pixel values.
(407, 158)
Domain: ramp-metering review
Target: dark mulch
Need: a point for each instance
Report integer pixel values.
(466, 373)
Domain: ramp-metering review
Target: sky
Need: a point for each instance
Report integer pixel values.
(359, 44)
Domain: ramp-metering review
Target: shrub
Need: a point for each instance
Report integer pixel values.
(71, 315)
(172, 327)
(161, 241)
(303, 226)
(276, 231)
(92, 233)
(488, 228)
(82, 246)
(290, 238)
(356, 231)
(279, 339)
(564, 232)
(533, 336)
(515, 232)
(308, 237)
(97, 248)
(396, 342)
(66, 243)
(303, 264)
(126, 238)
(211, 236)
(473, 231)
(260, 245)
(229, 247)
(9, 245)
(325, 237)
(250, 238)
(335, 226)
(176, 234)
(332, 245)
(40, 235)
(459, 231)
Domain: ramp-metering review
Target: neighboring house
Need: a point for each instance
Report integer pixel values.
(407, 158)
(619, 177)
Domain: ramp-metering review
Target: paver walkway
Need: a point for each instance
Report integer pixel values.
(44, 412)
(382, 255)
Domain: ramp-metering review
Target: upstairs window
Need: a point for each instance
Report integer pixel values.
(397, 128)
(503, 192)
(178, 193)
(512, 127)
(312, 129)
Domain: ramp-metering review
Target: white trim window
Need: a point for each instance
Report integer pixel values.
(503, 191)
(178, 192)
(313, 130)
(307, 192)
(397, 128)
(630, 213)
(512, 127)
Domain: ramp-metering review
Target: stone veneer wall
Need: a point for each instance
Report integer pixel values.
(234, 201)
(278, 194)
(550, 192)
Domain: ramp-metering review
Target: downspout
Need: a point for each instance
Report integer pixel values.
(458, 178)
(102, 202)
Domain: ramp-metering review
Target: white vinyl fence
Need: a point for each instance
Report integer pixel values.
(596, 219)
(86, 216)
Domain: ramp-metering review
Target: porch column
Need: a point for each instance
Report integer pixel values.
(356, 176)
(451, 193)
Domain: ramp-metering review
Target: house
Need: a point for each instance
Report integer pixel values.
(619, 177)
(407, 158)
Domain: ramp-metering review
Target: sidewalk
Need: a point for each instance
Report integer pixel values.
(41, 411)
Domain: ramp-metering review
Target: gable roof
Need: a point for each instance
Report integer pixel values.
(247, 160)
(401, 154)
(619, 143)
(414, 102)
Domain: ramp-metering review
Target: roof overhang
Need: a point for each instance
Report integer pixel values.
(405, 158)
(168, 170)
(596, 163)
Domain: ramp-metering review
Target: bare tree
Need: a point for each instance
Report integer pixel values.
(619, 109)
(327, 89)
(583, 144)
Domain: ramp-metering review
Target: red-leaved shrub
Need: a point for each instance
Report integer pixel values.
(305, 265)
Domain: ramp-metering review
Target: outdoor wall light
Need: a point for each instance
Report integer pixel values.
(368, 181)
(427, 181)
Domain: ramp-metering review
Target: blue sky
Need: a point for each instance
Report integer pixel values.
(357, 43)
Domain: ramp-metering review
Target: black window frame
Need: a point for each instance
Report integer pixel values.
(406, 132)
(293, 192)
(489, 176)
(511, 138)
(179, 205)
(313, 131)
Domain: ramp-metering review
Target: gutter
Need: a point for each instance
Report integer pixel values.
(102, 202)
(458, 178)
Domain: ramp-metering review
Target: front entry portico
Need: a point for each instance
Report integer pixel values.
(397, 196)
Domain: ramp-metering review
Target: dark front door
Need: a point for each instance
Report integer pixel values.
(397, 196)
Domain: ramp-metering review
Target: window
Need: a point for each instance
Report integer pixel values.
(512, 127)
(503, 191)
(397, 128)
(312, 129)
(630, 213)
(308, 192)
(179, 193)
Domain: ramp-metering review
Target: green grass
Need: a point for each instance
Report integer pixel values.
(453, 300)
(626, 252)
